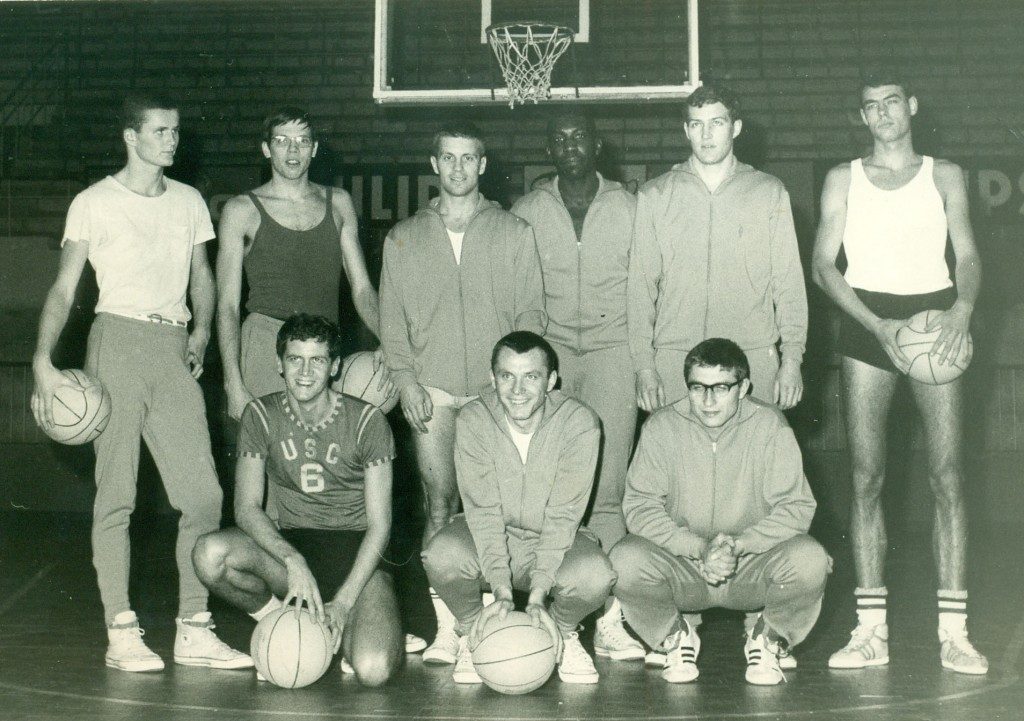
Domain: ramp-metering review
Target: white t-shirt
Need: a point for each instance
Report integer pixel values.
(140, 247)
(522, 440)
(456, 239)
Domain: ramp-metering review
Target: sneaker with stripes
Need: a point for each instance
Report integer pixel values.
(682, 649)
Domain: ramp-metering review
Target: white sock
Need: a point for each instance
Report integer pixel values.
(272, 605)
(871, 605)
(614, 611)
(953, 612)
(445, 618)
(124, 619)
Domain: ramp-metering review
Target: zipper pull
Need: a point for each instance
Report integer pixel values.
(714, 446)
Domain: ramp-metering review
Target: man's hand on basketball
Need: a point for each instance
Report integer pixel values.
(416, 406)
(955, 324)
(885, 331)
(650, 391)
(542, 619)
(385, 385)
(238, 398)
(47, 380)
(198, 339)
(302, 587)
(789, 384)
(499, 608)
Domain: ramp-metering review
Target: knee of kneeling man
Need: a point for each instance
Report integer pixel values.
(596, 579)
(626, 559)
(373, 669)
(442, 555)
(810, 560)
(209, 555)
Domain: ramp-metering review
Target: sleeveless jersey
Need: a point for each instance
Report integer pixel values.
(317, 472)
(294, 271)
(895, 240)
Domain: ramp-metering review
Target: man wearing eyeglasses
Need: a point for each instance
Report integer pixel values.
(293, 238)
(718, 507)
(715, 254)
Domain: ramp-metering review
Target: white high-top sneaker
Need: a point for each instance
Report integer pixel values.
(126, 650)
(197, 645)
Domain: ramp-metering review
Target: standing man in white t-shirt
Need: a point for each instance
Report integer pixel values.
(145, 236)
(892, 213)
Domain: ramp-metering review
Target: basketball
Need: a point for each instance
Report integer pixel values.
(512, 656)
(916, 342)
(291, 649)
(79, 415)
(359, 379)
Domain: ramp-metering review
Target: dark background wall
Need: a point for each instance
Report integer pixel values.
(795, 64)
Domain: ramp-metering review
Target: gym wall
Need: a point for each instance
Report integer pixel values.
(795, 63)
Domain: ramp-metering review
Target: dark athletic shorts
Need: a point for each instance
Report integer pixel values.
(329, 554)
(855, 341)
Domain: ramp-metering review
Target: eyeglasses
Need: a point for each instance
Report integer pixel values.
(717, 389)
(283, 141)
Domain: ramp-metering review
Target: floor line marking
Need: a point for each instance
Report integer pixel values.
(1010, 659)
(474, 714)
(26, 587)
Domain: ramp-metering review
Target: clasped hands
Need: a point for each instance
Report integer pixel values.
(717, 563)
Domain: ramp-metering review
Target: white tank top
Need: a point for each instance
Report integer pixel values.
(895, 240)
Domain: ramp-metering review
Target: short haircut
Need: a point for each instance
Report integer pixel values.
(575, 115)
(303, 326)
(877, 77)
(134, 107)
(524, 341)
(717, 352)
(287, 114)
(711, 94)
(457, 129)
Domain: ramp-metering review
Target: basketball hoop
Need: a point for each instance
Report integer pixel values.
(526, 53)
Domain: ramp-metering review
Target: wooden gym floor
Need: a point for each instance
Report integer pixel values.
(52, 645)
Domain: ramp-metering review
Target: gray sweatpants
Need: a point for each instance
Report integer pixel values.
(153, 397)
(654, 587)
(582, 582)
(604, 380)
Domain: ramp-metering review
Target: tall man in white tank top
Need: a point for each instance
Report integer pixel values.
(892, 213)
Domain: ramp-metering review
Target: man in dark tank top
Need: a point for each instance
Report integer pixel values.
(292, 238)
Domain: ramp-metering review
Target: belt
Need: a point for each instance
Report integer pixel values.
(157, 318)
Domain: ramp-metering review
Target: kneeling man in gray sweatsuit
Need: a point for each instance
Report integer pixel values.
(525, 456)
(718, 508)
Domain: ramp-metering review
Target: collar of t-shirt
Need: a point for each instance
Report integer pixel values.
(456, 239)
(522, 440)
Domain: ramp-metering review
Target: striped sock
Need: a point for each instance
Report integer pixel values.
(953, 611)
(871, 605)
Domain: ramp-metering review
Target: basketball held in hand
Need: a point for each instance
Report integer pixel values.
(916, 344)
(291, 648)
(359, 379)
(79, 416)
(513, 656)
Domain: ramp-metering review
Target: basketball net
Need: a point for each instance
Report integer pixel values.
(526, 53)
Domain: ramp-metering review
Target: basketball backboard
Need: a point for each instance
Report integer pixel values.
(436, 52)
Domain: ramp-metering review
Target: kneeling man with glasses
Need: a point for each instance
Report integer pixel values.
(718, 507)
